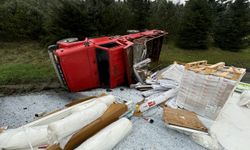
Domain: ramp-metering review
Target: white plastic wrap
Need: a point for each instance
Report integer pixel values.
(23, 137)
(67, 126)
(108, 137)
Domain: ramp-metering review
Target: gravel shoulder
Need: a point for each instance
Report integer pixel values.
(18, 110)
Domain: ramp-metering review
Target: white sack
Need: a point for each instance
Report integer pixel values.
(64, 127)
(22, 137)
(109, 137)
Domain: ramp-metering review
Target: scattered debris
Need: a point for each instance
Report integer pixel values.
(3, 128)
(40, 114)
(150, 120)
(141, 74)
(188, 90)
(108, 90)
(161, 86)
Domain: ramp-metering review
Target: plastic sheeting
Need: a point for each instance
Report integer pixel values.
(108, 137)
(232, 126)
(230, 130)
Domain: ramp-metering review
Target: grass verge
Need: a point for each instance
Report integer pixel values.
(171, 53)
(24, 63)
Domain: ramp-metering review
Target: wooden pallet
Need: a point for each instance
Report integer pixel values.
(218, 69)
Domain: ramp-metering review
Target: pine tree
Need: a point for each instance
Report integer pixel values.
(20, 20)
(140, 12)
(165, 15)
(232, 26)
(195, 25)
(69, 18)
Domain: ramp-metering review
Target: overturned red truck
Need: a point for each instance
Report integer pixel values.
(104, 61)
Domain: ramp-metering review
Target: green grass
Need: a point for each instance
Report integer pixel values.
(171, 53)
(24, 63)
(28, 62)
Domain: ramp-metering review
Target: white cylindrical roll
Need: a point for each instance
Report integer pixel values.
(23, 138)
(158, 99)
(84, 106)
(108, 137)
(107, 100)
(67, 126)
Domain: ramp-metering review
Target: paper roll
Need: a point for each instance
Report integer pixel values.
(108, 137)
